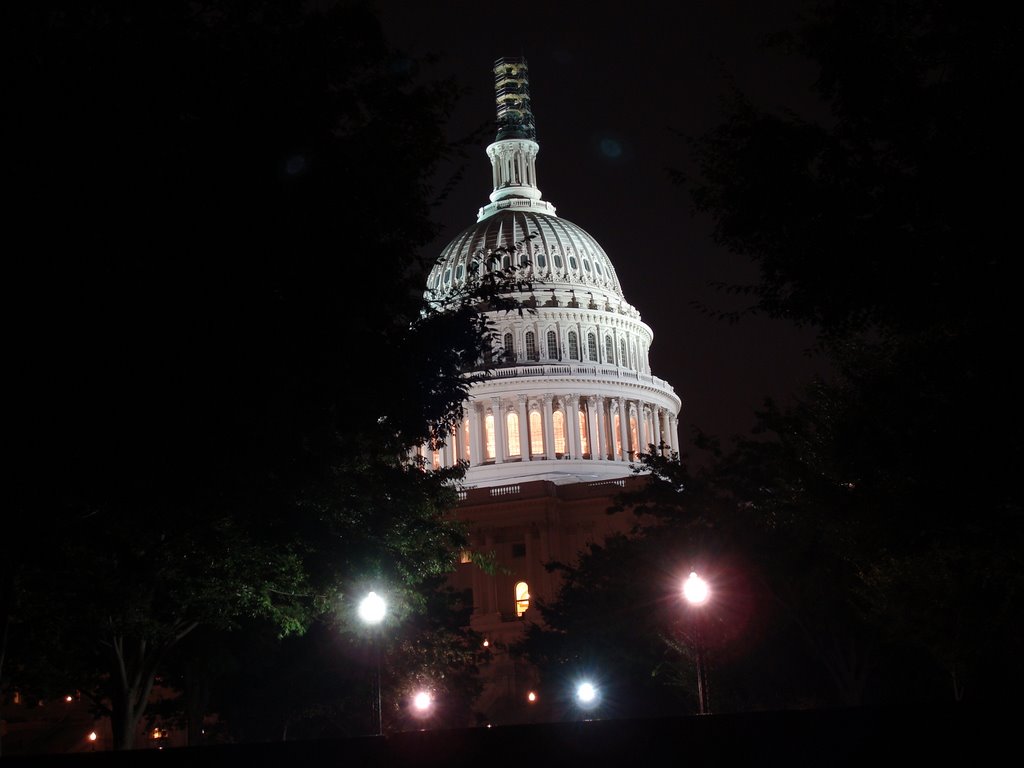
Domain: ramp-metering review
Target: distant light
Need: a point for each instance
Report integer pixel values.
(422, 701)
(696, 590)
(531, 697)
(586, 693)
(372, 609)
(486, 643)
(611, 148)
(92, 736)
(68, 698)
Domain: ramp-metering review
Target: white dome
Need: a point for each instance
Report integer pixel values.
(554, 252)
(569, 396)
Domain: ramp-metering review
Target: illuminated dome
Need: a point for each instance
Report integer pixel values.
(554, 252)
(570, 396)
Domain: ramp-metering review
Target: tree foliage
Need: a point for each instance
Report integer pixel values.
(880, 514)
(222, 350)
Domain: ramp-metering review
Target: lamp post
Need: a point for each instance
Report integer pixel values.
(697, 592)
(372, 610)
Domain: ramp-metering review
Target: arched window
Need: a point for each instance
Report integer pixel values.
(558, 427)
(536, 434)
(623, 360)
(634, 435)
(584, 433)
(489, 449)
(512, 426)
(609, 350)
(510, 351)
(466, 453)
(531, 346)
(592, 347)
(574, 346)
(522, 598)
(552, 346)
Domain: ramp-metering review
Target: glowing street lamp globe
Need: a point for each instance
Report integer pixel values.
(696, 590)
(422, 701)
(586, 693)
(372, 608)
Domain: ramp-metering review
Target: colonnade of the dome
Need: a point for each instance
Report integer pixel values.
(508, 428)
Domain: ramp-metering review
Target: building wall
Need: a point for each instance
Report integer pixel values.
(526, 525)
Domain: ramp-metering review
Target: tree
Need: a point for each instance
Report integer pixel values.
(878, 218)
(782, 628)
(223, 352)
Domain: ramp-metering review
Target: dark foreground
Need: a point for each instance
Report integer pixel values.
(859, 737)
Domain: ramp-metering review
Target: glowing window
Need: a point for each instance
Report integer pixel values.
(522, 598)
(592, 347)
(634, 435)
(465, 556)
(536, 434)
(552, 346)
(489, 450)
(465, 440)
(558, 425)
(512, 426)
(574, 346)
(435, 459)
(609, 350)
(584, 442)
(618, 435)
(531, 346)
(510, 352)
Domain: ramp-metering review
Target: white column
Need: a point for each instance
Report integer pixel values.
(448, 456)
(573, 408)
(592, 427)
(524, 429)
(499, 431)
(641, 419)
(673, 431)
(624, 428)
(602, 428)
(549, 433)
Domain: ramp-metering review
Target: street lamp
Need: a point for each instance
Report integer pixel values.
(697, 593)
(587, 695)
(372, 610)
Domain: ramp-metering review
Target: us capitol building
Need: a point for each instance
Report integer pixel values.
(569, 401)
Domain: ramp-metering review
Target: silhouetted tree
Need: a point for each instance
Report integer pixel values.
(222, 353)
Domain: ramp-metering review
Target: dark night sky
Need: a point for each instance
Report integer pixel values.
(613, 84)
